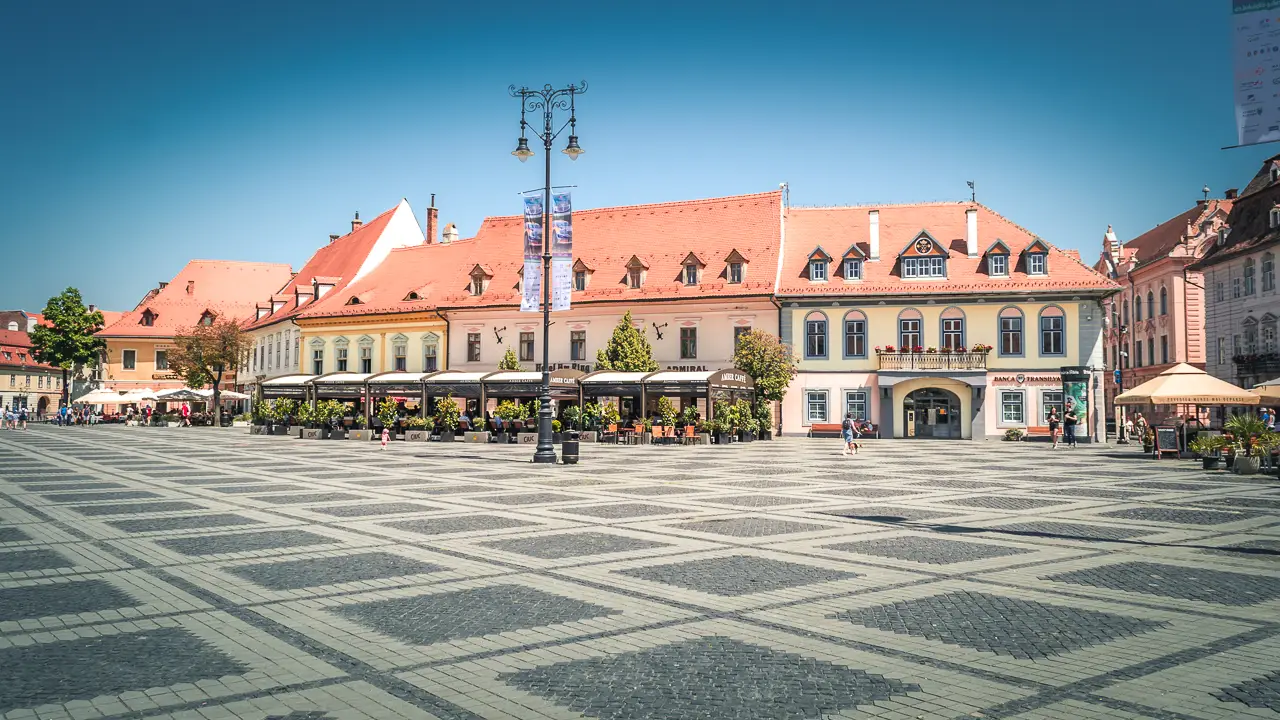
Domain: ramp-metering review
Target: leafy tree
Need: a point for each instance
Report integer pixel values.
(627, 351)
(68, 340)
(205, 352)
(509, 361)
(767, 361)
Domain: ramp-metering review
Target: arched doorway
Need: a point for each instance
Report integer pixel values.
(931, 413)
(42, 405)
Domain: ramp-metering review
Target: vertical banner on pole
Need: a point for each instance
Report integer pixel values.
(561, 250)
(531, 282)
(1256, 50)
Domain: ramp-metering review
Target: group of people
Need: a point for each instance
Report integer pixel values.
(13, 418)
(67, 416)
(1063, 429)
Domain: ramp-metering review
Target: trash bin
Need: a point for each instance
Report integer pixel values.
(569, 449)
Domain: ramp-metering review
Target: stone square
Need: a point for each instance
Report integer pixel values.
(312, 572)
(244, 542)
(1176, 581)
(736, 575)
(567, 545)
(930, 550)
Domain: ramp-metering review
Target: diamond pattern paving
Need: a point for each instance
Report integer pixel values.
(736, 575)
(706, 678)
(1179, 516)
(366, 509)
(429, 619)
(471, 523)
(244, 542)
(136, 508)
(555, 547)
(935, 551)
(1262, 692)
(86, 668)
(29, 560)
(1175, 581)
(12, 534)
(750, 527)
(191, 522)
(88, 596)
(1006, 626)
(311, 572)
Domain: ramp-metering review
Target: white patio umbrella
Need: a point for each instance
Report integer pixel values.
(137, 396)
(224, 394)
(100, 397)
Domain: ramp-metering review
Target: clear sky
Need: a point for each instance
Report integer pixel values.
(137, 135)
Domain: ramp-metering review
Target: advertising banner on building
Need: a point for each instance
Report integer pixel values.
(561, 250)
(531, 281)
(1256, 62)
(1075, 396)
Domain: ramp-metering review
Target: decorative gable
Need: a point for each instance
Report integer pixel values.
(819, 254)
(999, 248)
(148, 318)
(735, 267)
(693, 259)
(924, 245)
(1037, 246)
(581, 265)
(996, 259)
(1036, 258)
(854, 251)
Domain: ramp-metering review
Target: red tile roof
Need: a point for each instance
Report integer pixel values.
(1159, 241)
(226, 288)
(17, 343)
(604, 239)
(838, 228)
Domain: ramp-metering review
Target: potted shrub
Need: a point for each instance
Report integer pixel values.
(242, 420)
(556, 435)
(1246, 432)
(980, 348)
(590, 422)
(387, 417)
(415, 429)
(448, 417)
(359, 430)
(1149, 441)
(764, 421)
(510, 412)
(609, 415)
(1209, 448)
(1014, 434)
(667, 412)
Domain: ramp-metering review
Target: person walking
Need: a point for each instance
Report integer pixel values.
(186, 414)
(1054, 424)
(1069, 420)
(386, 436)
(22, 417)
(62, 416)
(846, 431)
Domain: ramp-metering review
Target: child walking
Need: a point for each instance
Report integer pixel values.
(386, 435)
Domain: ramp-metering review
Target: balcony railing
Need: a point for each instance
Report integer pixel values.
(933, 361)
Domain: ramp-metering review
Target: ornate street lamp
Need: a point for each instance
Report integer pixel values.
(547, 101)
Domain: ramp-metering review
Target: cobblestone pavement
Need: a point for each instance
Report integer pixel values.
(205, 574)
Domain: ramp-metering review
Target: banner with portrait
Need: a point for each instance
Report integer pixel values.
(561, 250)
(531, 281)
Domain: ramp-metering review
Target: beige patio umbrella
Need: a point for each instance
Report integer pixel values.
(1268, 391)
(1185, 384)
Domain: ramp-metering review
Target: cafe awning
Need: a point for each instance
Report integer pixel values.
(513, 383)
(181, 395)
(397, 382)
(685, 383)
(340, 385)
(1185, 384)
(286, 386)
(456, 383)
(611, 383)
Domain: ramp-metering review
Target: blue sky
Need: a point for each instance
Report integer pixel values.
(139, 135)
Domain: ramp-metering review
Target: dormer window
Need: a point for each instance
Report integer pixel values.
(579, 280)
(735, 267)
(818, 264)
(1036, 264)
(148, 318)
(635, 272)
(1275, 216)
(206, 319)
(480, 276)
(413, 295)
(735, 273)
(1275, 172)
(998, 265)
(923, 258)
(353, 300)
(690, 274)
(852, 269)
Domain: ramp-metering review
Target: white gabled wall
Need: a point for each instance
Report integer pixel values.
(402, 230)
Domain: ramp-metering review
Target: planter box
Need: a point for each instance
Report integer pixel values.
(417, 435)
(646, 437)
(704, 438)
(278, 429)
(722, 438)
(315, 433)
(476, 436)
(1247, 465)
(239, 423)
(446, 436)
(1210, 463)
(256, 429)
(175, 424)
(365, 435)
(588, 436)
(528, 438)
(338, 433)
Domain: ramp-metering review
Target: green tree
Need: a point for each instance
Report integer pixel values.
(767, 361)
(628, 350)
(202, 355)
(68, 340)
(509, 361)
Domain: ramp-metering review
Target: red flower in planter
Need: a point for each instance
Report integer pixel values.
(889, 348)
(917, 349)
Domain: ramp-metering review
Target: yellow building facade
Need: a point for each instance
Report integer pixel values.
(409, 342)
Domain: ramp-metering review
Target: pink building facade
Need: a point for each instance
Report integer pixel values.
(1157, 318)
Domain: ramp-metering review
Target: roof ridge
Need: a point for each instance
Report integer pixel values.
(924, 203)
(671, 203)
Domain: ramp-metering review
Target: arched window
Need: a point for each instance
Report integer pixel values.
(815, 336)
(1151, 305)
(855, 334)
(952, 329)
(1011, 332)
(910, 329)
(1053, 331)
(1164, 301)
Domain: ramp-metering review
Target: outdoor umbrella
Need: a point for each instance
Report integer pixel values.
(181, 394)
(99, 397)
(136, 396)
(1185, 384)
(223, 394)
(1268, 391)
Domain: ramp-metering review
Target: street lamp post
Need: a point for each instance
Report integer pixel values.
(546, 100)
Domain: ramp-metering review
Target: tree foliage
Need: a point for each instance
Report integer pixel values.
(203, 354)
(627, 351)
(67, 340)
(510, 361)
(767, 361)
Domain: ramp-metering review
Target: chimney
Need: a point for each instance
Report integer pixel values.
(191, 287)
(450, 234)
(92, 307)
(1110, 245)
(971, 231)
(333, 237)
(355, 222)
(1232, 193)
(873, 220)
(432, 217)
